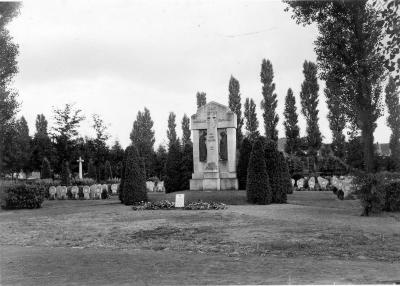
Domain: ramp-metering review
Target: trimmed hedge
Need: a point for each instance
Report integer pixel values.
(23, 196)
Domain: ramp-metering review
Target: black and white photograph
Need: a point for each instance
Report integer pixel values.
(199, 142)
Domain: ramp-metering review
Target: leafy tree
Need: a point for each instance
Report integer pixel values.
(251, 120)
(46, 169)
(187, 154)
(8, 68)
(236, 107)
(269, 102)
(22, 145)
(171, 131)
(285, 184)
(309, 106)
(142, 136)
(41, 143)
(65, 131)
(160, 161)
(258, 190)
(393, 120)
(100, 142)
(92, 172)
(185, 129)
(243, 162)
(201, 99)
(134, 188)
(348, 52)
(336, 117)
(354, 153)
(389, 19)
(65, 174)
(116, 158)
(108, 170)
(291, 124)
(274, 170)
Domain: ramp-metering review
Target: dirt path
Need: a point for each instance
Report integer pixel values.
(61, 266)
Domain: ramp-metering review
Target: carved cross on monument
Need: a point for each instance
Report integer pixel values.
(80, 161)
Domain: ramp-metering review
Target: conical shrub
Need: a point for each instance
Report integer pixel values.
(258, 189)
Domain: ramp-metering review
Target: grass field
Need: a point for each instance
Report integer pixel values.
(315, 238)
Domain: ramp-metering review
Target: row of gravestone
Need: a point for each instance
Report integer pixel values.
(153, 187)
(92, 192)
(344, 183)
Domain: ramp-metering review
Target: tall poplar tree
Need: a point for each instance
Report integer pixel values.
(393, 119)
(250, 115)
(269, 102)
(336, 117)
(309, 106)
(173, 180)
(185, 129)
(236, 107)
(171, 131)
(142, 136)
(187, 154)
(41, 144)
(292, 129)
(201, 99)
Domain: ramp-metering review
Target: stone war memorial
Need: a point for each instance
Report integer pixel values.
(214, 148)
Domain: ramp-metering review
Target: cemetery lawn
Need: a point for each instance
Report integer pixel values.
(315, 238)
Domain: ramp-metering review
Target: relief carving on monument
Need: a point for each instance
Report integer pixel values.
(223, 145)
(203, 145)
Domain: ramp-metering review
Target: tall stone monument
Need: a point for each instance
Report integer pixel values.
(80, 161)
(214, 148)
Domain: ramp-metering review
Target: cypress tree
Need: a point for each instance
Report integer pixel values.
(134, 187)
(108, 171)
(273, 162)
(269, 102)
(65, 174)
(236, 107)
(251, 120)
(309, 106)
(286, 183)
(243, 163)
(393, 120)
(201, 99)
(121, 185)
(258, 190)
(185, 130)
(173, 176)
(46, 170)
(92, 173)
(292, 129)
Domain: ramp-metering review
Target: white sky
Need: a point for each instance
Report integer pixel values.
(116, 57)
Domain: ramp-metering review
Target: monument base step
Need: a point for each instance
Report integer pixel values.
(214, 184)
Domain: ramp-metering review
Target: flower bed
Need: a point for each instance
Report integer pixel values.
(167, 205)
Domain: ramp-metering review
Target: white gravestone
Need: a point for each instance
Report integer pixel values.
(300, 183)
(311, 183)
(58, 191)
(293, 182)
(150, 186)
(52, 192)
(74, 192)
(63, 193)
(97, 192)
(86, 192)
(160, 187)
(179, 200)
(92, 191)
(322, 182)
(104, 187)
(114, 189)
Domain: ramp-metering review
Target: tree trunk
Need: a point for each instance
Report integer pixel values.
(368, 147)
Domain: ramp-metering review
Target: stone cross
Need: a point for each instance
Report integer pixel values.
(80, 161)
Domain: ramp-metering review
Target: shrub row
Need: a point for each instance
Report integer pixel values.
(23, 196)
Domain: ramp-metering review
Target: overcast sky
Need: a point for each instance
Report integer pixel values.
(114, 58)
